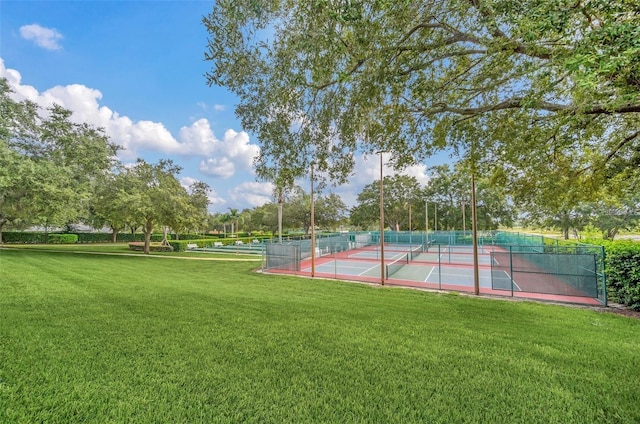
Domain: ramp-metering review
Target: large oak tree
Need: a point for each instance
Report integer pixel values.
(528, 85)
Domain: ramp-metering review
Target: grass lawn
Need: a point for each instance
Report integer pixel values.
(123, 248)
(97, 338)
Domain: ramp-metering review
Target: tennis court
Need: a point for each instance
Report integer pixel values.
(429, 265)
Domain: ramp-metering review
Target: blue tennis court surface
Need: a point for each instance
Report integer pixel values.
(414, 272)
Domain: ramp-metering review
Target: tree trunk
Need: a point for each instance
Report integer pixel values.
(164, 236)
(114, 235)
(2, 222)
(609, 235)
(565, 232)
(148, 229)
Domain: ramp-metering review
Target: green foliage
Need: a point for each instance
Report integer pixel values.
(155, 195)
(48, 163)
(95, 238)
(62, 238)
(543, 96)
(24, 237)
(41, 237)
(399, 191)
(623, 271)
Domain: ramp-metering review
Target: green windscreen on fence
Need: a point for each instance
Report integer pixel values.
(512, 261)
(557, 270)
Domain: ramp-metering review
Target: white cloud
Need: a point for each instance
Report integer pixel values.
(367, 171)
(219, 168)
(215, 107)
(44, 37)
(231, 154)
(186, 182)
(252, 193)
(238, 147)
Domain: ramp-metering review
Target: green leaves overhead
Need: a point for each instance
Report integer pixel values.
(525, 82)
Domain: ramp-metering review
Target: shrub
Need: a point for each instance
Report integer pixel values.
(94, 237)
(23, 237)
(623, 273)
(622, 260)
(62, 238)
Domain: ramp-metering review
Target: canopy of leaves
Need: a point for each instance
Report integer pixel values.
(399, 192)
(49, 165)
(530, 84)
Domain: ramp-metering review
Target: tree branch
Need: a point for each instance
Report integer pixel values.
(441, 57)
(519, 102)
(620, 145)
(496, 32)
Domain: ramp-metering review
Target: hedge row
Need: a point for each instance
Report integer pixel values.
(42, 237)
(62, 238)
(622, 261)
(623, 271)
(181, 245)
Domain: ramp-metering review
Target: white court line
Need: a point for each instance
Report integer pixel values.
(512, 280)
(430, 272)
(364, 272)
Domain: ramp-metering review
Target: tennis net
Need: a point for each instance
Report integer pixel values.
(396, 265)
(403, 260)
(416, 252)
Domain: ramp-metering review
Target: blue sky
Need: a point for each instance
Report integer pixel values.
(136, 68)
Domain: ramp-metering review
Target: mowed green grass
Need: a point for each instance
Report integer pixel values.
(95, 338)
(123, 249)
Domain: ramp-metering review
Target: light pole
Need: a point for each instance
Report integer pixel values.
(464, 222)
(313, 234)
(381, 225)
(426, 219)
(474, 218)
(435, 219)
(410, 239)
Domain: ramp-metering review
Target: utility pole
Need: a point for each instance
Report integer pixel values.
(474, 218)
(313, 234)
(381, 225)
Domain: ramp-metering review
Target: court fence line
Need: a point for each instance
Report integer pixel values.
(516, 262)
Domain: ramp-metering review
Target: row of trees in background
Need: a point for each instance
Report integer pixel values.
(330, 213)
(448, 199)
(54, 171)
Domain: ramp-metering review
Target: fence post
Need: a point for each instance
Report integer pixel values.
(335, 261)
(604, 276)
(511, 268)
(439, 269)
